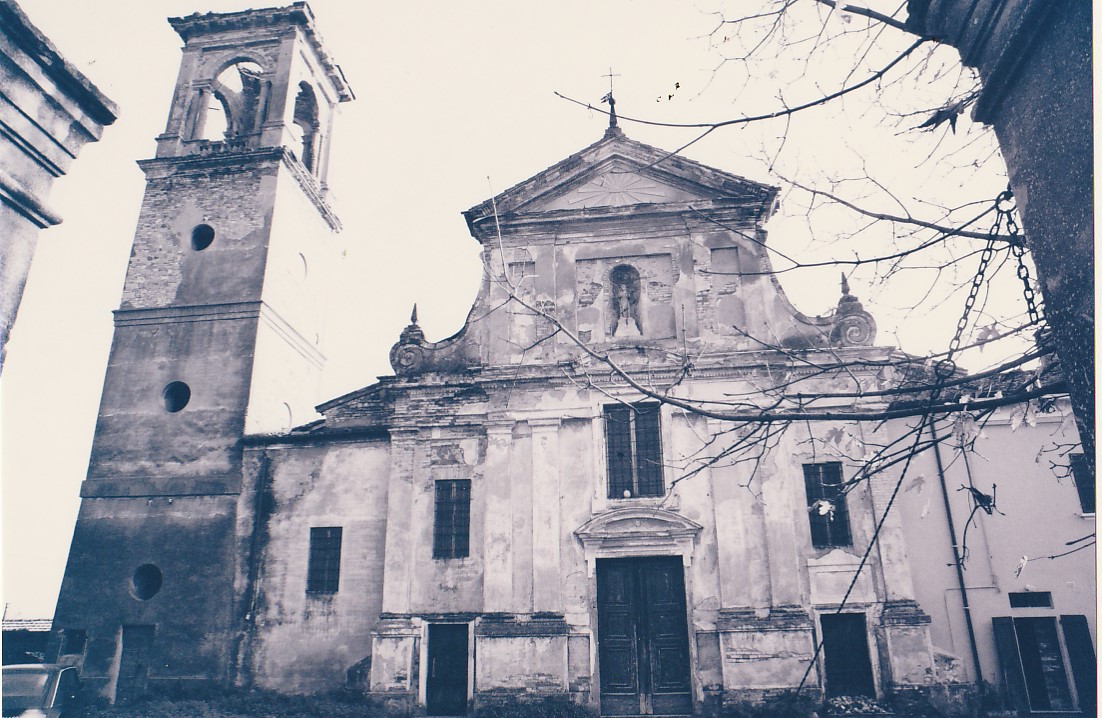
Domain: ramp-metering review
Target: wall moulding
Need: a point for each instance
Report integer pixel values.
(637, 531)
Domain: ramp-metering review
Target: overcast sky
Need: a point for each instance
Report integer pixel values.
(455, 102)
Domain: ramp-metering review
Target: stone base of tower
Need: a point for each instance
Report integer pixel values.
(149, 587)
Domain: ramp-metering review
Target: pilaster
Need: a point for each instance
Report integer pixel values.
(497, 582)
(546, 586)
(780, 536)
(399, 556)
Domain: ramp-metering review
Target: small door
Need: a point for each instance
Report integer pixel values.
(642, 637)
(846, 655)
(446, 687)
(137, 644)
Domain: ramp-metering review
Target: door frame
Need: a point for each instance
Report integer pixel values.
(423, 659)
(695, 689)
(871, 643)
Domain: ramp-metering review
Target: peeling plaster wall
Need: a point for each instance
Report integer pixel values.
(696, 285)
(304, 641)
(534, 452)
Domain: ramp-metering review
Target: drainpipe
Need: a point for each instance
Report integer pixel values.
(956, 557)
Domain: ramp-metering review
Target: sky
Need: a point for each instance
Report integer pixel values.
(456, 102)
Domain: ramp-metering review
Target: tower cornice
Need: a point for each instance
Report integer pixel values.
(298, 14)
(243, 160)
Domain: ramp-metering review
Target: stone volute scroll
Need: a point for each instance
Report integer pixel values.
(852, 326)
(407, 357)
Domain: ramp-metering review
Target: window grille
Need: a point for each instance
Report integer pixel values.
(826, 505)
(452, 524)
(324, 570)
(634, 443)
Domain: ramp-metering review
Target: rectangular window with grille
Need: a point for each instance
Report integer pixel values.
(324, 570)
(634, 443)
(826, 505)
(451, 537)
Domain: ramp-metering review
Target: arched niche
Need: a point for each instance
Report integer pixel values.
(625, 295)
(637, 531)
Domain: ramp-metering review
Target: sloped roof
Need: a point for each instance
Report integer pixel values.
(36, 625)
(617, 171)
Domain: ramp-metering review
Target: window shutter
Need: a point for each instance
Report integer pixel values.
(1082, 473)
(1077, 639)
(1006, 644)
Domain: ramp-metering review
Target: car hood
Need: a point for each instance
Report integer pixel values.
(15, 705)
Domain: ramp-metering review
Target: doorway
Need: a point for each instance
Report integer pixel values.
(642, 637)
(137, 644)
(848, 669)
(446, 684)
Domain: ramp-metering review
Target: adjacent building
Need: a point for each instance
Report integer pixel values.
(48, 111)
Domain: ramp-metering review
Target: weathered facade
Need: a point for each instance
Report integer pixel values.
(48, 111)
(505, 516)
(645, 262)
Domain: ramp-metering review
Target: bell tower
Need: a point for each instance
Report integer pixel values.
(217, 337)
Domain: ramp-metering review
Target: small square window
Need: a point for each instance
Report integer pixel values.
(451, 536)
(826, 505)
(1031, 599)
(73, 641)
(324, 571)
(634, 444)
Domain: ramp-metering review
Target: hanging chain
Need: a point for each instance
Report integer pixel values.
(1006, 207)
(945, 368)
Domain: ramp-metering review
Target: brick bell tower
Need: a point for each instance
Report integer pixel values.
(216, 337)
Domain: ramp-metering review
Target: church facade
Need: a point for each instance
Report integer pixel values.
(524, 508)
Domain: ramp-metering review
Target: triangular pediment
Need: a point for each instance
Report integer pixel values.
(617, 182)
(617, 172)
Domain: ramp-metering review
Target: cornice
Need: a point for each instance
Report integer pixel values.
(18, 27)
(223, 157)
(195, 26)
(16, 196)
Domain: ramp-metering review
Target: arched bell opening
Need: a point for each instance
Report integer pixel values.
(232, 106)
(305, 126)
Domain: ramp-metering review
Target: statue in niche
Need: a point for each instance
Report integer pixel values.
(625, 302)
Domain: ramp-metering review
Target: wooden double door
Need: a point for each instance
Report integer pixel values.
(642, 637)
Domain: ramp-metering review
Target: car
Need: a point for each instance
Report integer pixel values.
(40, 690)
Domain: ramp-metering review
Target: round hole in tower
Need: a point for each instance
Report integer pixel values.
(146, 582)
(201, 237)
(176, 396)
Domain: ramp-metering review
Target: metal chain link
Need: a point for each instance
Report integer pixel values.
(1017, 248)
(945, 368)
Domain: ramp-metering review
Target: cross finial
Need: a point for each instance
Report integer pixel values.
(610, 100)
